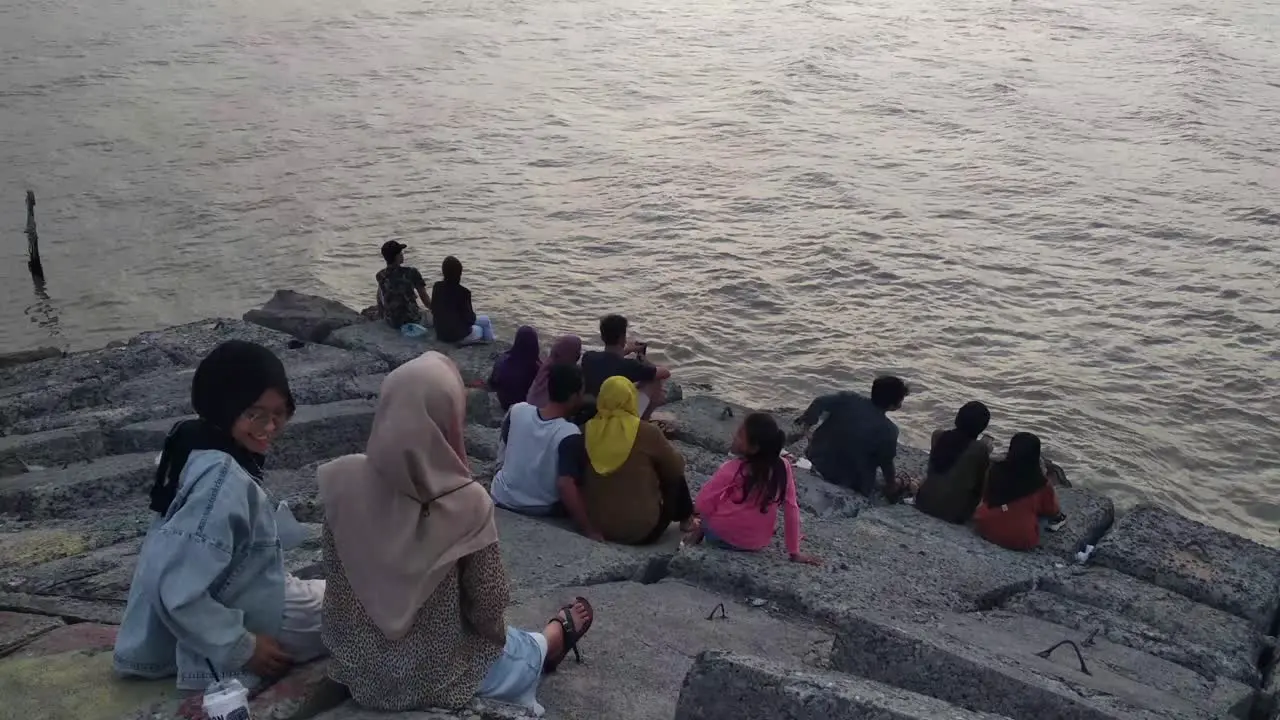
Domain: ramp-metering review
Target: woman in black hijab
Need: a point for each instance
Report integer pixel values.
(226, 386)
(1018, 494)
(958, 461)
(210, 596)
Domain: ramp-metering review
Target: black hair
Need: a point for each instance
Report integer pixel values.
(763, 473)
(613, 328)
(971, 421)
(888, 391)
(451, 269)
(563, 382)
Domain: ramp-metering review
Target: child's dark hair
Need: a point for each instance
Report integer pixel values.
(763, 472)
(451, 269)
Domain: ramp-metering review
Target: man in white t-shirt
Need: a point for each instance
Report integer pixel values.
(544, 455)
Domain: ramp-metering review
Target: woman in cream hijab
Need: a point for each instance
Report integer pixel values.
(414, 615)
(634, 485)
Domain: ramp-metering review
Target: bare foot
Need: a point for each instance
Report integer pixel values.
(690, 525)
(694, 536)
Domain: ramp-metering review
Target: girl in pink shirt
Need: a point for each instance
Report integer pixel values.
(739, 504)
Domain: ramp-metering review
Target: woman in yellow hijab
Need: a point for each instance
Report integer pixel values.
(634, 484)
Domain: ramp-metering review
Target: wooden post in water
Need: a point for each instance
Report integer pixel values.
(33, 239)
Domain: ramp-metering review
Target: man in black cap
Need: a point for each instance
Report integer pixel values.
(397, 284)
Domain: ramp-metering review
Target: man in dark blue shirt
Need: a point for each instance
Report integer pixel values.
(856, 436)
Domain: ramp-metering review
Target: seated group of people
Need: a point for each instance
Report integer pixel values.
(413, 606)
(400, 287)
(1008, 500)
(412, 609)
(577, 443)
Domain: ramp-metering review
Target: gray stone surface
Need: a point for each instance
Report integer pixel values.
(1208, 660)
(482, 442)
(643, 643)
(186, 345)
(22, 357)
(990, 663)
(705, 421)
(21, 453)
(1170, 614)
(887, 556)
(317, 374)
(728, 686)
(68, 609)
(474, 362)
(483, 408)
(307, 317)
(542, 554)
(316, 432)
(65, 491)
(102, 574)
(1089, 516)
(79, 380)
(1208, 565)
(17, 629)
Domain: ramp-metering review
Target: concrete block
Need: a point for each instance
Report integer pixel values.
(22, 357)
(643, 642)
(66, 491)
(1210, 661)
(186, 345)
(316, 432)
(21, 453)
(306, 317)
(994, 662)
(705, 421)
(377, 338)
(68, 609)
(728, 686)
(542, 554)
(1208, 565)
(1169, 613)
(101, 574)
(98, 418)
(66, 673)
(482, 442)
(31, 543)
(887, 556)
(1089, 517)
(17, 629)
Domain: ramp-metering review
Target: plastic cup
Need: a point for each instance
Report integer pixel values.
(227, 700)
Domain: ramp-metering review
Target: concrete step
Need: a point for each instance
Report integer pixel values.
(1206, 564)
(728, 686)
(66, 491)
(994, 662)
(378, 339)
(643, 642)
(885, 556)
(316, 433)
(20, 453)
(1149, 618)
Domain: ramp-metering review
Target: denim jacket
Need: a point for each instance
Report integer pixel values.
(210, 576)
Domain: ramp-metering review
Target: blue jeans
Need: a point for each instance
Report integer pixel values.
(482, 331)
(514, 677)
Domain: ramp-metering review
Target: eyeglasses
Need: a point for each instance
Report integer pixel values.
(260, 419)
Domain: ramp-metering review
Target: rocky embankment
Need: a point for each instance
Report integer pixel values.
(908, 618)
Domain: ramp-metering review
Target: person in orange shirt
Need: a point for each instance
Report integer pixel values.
(1017, 495)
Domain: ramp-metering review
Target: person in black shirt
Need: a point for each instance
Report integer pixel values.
(456, 321)
(397, 285)
(600, 365)
(855, 437)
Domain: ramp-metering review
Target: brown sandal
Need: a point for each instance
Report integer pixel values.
(572, 634)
